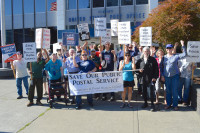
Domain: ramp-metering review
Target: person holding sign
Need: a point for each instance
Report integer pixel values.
(37, 80)
(85, 66)
(110, 58)
(170, 74)
(147, 74)
(21, 74)
(127, 77)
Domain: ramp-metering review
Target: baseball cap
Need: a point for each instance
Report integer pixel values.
(169, 46)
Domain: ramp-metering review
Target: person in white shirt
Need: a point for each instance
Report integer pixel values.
(21, 74)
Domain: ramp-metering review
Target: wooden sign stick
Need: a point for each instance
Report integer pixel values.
(13, 70)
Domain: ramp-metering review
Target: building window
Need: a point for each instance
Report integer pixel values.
(17, 6)
(8, 10)
(28, 6)
(40, 6)
(138, 2)
(9, 37)
(18, 39)
(112, 3)
(83, 4)
(126, 2)
(98, 3)
(51, 5)
(72, 4)
(29, 35)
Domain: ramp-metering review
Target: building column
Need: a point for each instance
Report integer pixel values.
(61, 15)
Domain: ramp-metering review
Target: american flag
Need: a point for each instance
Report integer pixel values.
(53, 6)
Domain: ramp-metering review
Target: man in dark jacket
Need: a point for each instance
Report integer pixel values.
(148, 74)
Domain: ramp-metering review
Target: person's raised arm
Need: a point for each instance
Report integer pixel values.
(74, 60)
(121, 65)
(183, 49)
(47, 55)
(175, 47)
(115, 57)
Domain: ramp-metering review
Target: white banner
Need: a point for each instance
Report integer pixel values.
(99, 27)
(29, 52)
(124, 33)
(106, 38)
(83, 31)
(46, 38)
(193, 51)
(98, 82)
(114, 27)
(145, 36)
(55, 47)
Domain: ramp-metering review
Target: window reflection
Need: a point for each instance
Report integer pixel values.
(28, 6)
(84, 4)
(72, 4)
(40, 6)
(138, 2)
(98, 3)
(112, 3)
(126, 2)
(8, 10)
(17, 6)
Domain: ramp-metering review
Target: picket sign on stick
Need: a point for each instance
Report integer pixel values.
(13, 70)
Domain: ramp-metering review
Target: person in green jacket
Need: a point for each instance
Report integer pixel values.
(37, 79)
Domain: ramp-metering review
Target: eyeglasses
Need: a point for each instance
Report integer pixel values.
(130, 47)
(18, 54)
(127, 55)
(169, 48)
(84, 54)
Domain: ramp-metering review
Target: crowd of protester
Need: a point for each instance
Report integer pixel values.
(151, 67)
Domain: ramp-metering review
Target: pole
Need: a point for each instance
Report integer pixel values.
(13, 70)
(3, 31)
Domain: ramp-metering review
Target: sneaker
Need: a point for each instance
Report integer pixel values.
(112, 98)
(103, 98)
(123, 105)
(78, 107)
(144, 105)
(185, 104)
(45, 93)
(30, 104)
(39, 103)
(128, 105)
(153, 108)
(19, 97)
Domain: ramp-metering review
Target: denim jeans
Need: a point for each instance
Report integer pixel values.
(186, 82)
(19, 85)
(79, 100)
(172, 84)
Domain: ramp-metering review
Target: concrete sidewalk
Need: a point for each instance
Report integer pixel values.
(105, 117)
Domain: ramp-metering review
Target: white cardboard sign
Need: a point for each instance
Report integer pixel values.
(114, 27)
(98, 82)
(29, 51)
(46, 38)
(193, 51)
(145, 36)
(106, 38)
(99, 27)
(124, 33)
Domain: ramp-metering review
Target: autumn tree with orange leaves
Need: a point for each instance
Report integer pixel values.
(172, 21)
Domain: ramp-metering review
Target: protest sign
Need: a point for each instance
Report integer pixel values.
(29, 52)
(43, 38)
(100, 27)
(114, 27)
(193, 51)
(106, 38)
(55, 47)
(71, 39)
(145, 36)
(83, 31)
(99, 82)
(124, 33)
(9, 53)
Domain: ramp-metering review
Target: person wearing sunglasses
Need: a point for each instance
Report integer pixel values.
(170, 74)
(127, 77)
(85, 66)
(21, 74)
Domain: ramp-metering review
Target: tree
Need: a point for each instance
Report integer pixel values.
(173, 20)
